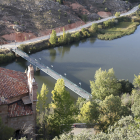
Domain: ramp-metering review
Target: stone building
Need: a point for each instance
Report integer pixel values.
(18, 97)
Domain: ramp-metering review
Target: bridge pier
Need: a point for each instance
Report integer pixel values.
(37, 69)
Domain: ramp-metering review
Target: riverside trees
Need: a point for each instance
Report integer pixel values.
(105, 84)
(106, 107)
(58, 116)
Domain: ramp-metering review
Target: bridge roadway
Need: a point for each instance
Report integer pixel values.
(78, 90)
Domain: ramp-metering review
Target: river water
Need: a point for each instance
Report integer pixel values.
(81, 60)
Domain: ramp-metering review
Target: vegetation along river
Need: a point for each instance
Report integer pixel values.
(80, 60)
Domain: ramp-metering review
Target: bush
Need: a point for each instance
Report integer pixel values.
(4, 58)
(117, 14)
(100, 26)
(69, 21)
(106, 9)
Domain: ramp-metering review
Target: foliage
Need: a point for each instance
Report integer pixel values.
(42, 99)
(126, 100)
(53, 37)
(93, 27)
(105, 84)
(111, 110)
(64, 109)
(125, 129)
(106, 9)
(6, 57)
(5, 131)
(136, 104)
(84, 18)
(69, 21)
(126, 86)
(136, 81)
(89, 113)
(60, 1)
(80, 102)
(64, 34)
(112, 33)
(117, 14)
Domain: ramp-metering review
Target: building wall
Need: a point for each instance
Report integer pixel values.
(21, 121)
(4, 113)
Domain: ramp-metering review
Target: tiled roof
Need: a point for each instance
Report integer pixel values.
(19, 109)
(12, 83)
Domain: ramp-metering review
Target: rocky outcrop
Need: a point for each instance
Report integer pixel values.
(93, 16)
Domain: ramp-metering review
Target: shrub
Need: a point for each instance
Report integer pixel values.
(117, 14)
(69, 21)
(106, 9)
(100, 26)
(65, 14)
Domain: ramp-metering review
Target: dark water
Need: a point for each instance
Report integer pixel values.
(80, 60)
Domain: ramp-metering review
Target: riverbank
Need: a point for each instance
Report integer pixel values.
(6, 56)
(107, 30)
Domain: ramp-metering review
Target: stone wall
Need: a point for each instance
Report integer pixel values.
(18, 122)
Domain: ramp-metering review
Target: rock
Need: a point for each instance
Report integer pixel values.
(18, 28)
(93, 16)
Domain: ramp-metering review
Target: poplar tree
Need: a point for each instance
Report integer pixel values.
(64, 109)
(64, 34)
(42, 99)
(53, 37)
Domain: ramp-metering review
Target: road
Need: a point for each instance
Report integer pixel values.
(13, 46)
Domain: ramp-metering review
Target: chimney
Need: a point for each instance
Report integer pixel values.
(32, 84)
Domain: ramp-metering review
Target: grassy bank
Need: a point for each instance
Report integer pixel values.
(122, 29)
(6, 56)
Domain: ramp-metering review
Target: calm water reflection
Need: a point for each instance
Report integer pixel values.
(81, 59)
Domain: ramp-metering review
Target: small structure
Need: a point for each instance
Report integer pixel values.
(18, 97)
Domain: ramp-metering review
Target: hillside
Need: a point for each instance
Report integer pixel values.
(37, 16)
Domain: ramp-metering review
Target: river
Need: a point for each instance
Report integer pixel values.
(81, 60)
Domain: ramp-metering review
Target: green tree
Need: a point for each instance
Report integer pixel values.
(43, 112)
(42, 99)
(136, 81)
(117, 14)
(105, 84)
(111, 110)
(53, 37)
(64, 34)
(64, 109)
(136, 103)
(89, 113)
(126, 86)
(94, 27)
(80, 102)
(5, 131)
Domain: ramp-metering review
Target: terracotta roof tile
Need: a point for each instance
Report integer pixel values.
(12, 83)
(19, 109)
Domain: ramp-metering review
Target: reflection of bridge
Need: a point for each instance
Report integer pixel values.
(78, 90)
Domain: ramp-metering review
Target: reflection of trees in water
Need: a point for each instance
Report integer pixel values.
(84, 40)
(22, 62)
(92, 40)
(52, 54)
(66, 48)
